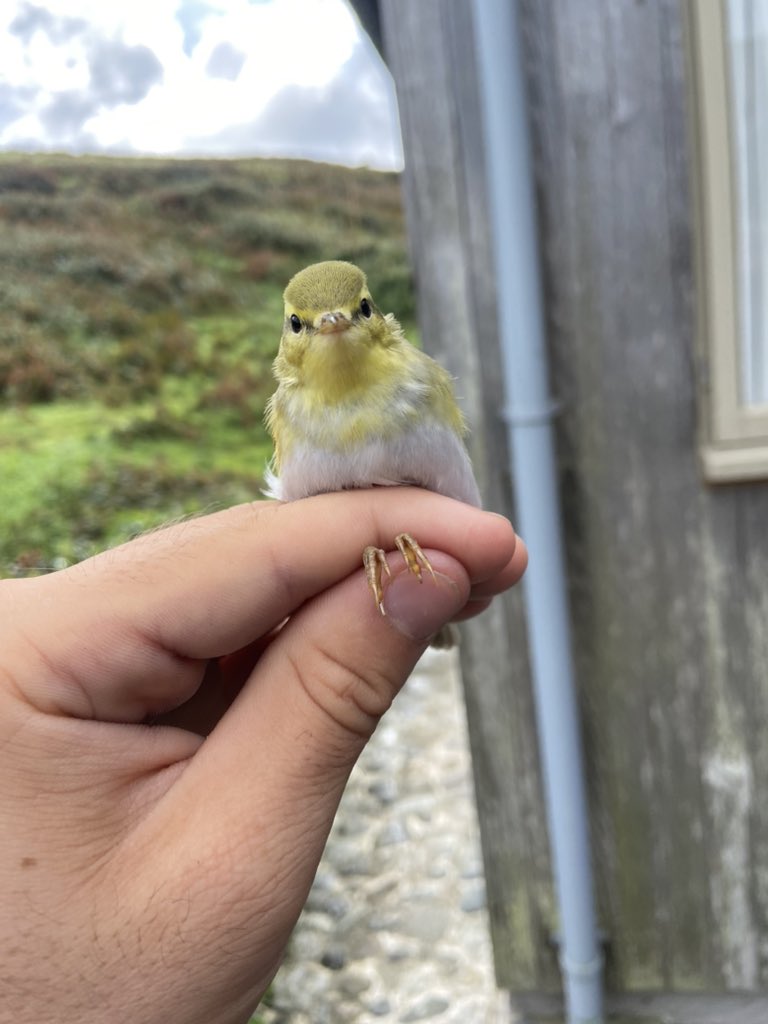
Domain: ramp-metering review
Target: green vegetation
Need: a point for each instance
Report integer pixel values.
(140, 310)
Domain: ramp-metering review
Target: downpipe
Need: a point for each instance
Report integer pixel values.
(529, 419)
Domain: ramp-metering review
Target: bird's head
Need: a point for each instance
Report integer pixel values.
(330, 301)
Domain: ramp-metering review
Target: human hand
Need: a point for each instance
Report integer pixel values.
(148, 873)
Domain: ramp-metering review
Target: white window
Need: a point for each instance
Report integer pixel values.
(729, 79)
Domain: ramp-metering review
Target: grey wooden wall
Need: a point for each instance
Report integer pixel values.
(668, 576)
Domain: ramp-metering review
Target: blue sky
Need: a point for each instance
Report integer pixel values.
(195, 77)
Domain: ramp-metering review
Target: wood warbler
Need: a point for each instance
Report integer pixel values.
(358, 406)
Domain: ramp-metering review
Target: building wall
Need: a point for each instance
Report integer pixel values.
(668, 575)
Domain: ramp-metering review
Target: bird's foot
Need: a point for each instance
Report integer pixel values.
(375, 562)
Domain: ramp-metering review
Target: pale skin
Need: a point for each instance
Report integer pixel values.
(147, 873)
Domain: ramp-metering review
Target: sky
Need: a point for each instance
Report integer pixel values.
(294, 78)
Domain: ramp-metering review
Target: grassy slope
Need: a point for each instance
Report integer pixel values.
(140, 309)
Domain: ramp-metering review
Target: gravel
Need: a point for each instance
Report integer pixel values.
(395, 929)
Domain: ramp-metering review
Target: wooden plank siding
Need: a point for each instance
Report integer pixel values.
(668, 576)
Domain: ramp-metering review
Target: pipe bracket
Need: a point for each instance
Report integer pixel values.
(532, 416)
(581, 969)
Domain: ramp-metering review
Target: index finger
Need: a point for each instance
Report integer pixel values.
(133, 624)
(259, 562)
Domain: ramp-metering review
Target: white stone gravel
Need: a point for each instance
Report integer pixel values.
(395, 929)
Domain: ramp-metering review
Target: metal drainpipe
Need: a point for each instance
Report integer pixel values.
(531, 435)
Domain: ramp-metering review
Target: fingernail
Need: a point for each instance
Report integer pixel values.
(418, 610)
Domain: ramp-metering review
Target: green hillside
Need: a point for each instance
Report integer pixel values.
(140, 309)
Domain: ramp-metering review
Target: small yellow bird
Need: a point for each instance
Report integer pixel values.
(358, 406)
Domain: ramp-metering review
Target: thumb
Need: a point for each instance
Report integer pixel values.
(321, 687)
(271, 773)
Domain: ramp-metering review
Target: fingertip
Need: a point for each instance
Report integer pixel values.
(520, 557)
(503, 527)
(472, 608)
(512, 549)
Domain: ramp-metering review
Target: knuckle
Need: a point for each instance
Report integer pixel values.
(353, 699)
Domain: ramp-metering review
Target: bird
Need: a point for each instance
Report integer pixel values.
(358, 406)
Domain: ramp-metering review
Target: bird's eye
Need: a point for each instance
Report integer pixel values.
(295, 323)
(365, 308)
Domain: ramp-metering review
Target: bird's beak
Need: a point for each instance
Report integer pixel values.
(333, 323)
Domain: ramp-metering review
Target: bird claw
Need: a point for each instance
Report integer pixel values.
(375, 562)
(414, 557)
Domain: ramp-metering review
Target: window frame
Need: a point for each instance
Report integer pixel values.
(733, 442)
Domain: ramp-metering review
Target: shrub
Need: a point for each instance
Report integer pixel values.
(34, 370)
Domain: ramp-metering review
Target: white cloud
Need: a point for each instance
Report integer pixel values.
(347, 118)
(195, 76)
